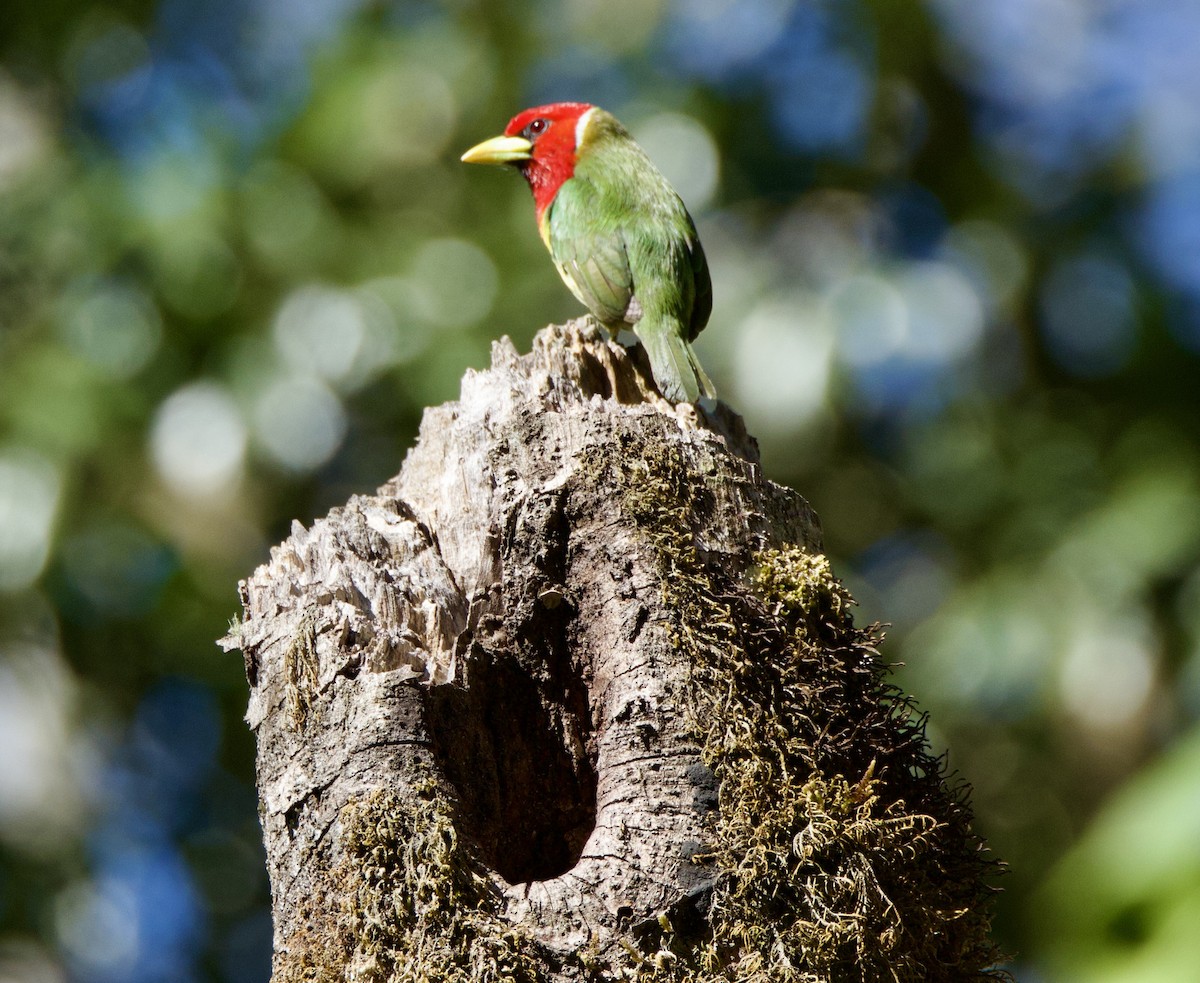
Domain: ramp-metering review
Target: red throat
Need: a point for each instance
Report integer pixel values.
(553, 158)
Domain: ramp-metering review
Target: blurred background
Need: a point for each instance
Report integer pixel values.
(956, 253)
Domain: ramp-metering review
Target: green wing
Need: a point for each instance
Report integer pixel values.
(589, 252)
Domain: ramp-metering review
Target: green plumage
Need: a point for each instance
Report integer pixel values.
(626, 246)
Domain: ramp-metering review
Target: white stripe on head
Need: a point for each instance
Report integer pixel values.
(581, 126)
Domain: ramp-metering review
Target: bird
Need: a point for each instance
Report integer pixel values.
(620, 236)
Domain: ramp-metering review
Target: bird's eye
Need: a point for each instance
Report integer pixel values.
(538, 126)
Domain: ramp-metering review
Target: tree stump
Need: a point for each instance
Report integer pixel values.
(576, 697)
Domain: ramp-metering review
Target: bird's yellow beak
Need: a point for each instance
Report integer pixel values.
(499, 150)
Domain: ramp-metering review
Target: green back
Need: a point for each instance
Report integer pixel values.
(623, 240)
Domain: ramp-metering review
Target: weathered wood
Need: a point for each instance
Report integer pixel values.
(535, 709)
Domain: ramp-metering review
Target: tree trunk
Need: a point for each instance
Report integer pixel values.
(576, 697)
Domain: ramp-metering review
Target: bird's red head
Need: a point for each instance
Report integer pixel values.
(553, 133)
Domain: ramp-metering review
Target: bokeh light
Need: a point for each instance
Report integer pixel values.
(285, 216)
(686, 153)
(113, 325)
(992, 258)
(782, 367)
(24, 138)
(717, 37)
(299, 422)
(1089, 314)
(198, 440)
(320, 331)
(97, 928)
(29, 495)
(23, 961)
(454, 282)
(872, 319)
(42, 786)
(116, 569)
(1108, 670)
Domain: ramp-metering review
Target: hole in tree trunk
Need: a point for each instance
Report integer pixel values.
(514, 745)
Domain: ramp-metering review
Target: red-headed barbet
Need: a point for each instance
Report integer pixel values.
(620, 236)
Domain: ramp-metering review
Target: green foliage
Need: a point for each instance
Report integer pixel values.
(1122, 904)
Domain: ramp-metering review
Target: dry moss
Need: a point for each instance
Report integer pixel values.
(845, 853)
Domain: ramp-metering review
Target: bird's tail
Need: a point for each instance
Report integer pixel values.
(677, 372)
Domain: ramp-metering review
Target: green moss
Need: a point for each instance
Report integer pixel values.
(412, 905)
(843, 853)
(800, 585)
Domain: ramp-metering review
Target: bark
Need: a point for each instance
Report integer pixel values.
(576, 696)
